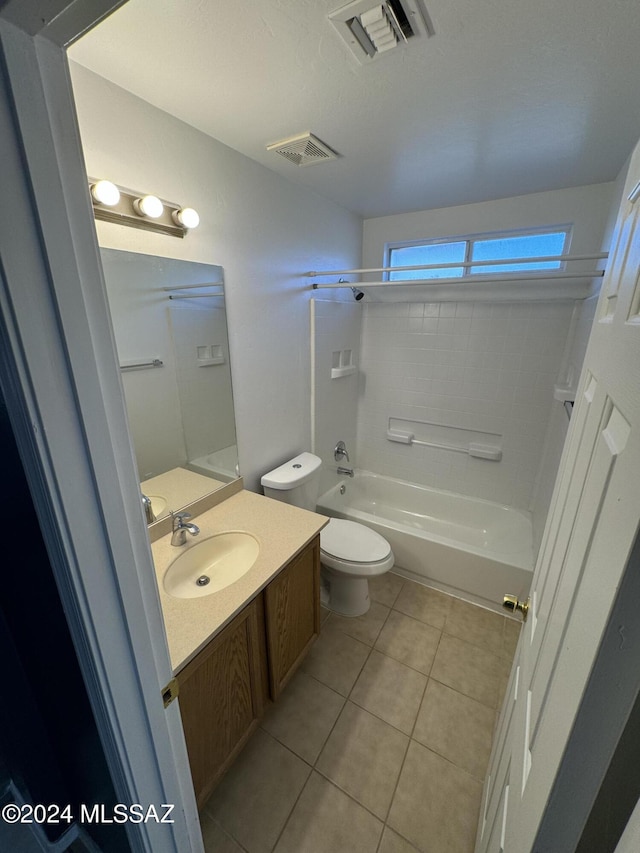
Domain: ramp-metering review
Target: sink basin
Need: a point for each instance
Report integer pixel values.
(211, 564)
(158, 504)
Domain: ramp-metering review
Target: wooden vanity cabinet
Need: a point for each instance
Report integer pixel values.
(292, 615)
(222, 697)
(224, 690)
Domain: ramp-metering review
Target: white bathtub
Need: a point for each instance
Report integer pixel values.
(222, 464)
(473, 548)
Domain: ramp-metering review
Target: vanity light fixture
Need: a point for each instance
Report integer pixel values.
(104, 192)
(187, 217)
(145, 211)
(149, 206)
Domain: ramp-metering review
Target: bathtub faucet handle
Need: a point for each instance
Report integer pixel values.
(340, 452)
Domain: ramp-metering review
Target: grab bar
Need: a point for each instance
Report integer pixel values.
(142, 365)
(475, 449)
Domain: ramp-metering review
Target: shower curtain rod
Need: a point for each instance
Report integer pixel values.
(465, 264)
(194, 286)
(475, 279)
(194, 295)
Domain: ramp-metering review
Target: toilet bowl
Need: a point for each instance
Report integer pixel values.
(350, 552)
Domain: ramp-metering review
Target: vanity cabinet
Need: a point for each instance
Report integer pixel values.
(224, 690)
(292, 615)
(222, 697)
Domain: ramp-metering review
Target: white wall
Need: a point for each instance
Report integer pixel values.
(477, 365)
(264, 231)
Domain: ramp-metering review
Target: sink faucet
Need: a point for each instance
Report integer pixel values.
(181, 528)
(148, 509)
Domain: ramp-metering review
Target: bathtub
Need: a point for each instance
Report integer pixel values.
(222, 464)
(472, 548)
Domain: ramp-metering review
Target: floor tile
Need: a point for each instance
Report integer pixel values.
(325, 820)
(390, 690)
(436, 804)
(476, 625)
(394, 843)
(303, 716)
(457, 727)
(363, 756)
(324, 615)
(385, 588)
(364, 628)
(255, 798)
(503, 683)
(427, 605)
(336, 659)
(510, 637)
(409, 641)
(468, 669)
(215, 838)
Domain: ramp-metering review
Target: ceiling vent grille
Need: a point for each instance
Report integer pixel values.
(303, 150)
(372, 29)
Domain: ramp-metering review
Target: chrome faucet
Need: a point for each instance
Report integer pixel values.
(181, 528)
(148, 509)
(347, 471)
(340, 452)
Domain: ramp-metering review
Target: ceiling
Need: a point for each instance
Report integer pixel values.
(508, 97)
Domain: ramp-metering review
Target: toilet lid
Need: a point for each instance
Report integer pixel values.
(348, 540)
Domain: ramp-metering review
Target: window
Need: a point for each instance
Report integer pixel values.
(481, 248)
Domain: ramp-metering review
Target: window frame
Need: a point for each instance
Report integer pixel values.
(470, 240)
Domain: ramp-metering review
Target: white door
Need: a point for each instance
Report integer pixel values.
(591, 528)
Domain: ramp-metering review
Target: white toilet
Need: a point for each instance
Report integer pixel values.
(350, 553)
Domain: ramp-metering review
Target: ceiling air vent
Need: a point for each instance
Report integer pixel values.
(372, 29)
(303, 150)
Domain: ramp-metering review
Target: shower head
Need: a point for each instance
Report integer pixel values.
(357, 294)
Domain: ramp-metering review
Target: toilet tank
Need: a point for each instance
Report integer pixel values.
(296, 482)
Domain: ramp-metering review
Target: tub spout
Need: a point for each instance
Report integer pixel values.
(346, 471)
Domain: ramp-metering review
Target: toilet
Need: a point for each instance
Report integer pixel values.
(350, 553)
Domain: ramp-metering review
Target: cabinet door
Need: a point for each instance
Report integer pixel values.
(292, 612)
(222, 697)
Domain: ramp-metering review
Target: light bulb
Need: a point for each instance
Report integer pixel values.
(104, 192)
(187, 217)
(149, 206)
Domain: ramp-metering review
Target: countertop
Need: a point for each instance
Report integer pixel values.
(178, 487)
(282, 532)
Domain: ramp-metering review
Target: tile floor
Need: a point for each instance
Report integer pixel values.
(380, 743)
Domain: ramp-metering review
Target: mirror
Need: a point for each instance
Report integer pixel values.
(170, 326)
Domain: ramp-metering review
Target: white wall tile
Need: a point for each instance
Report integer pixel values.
(469, 367)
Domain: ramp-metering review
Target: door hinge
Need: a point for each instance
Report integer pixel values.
(170, 692)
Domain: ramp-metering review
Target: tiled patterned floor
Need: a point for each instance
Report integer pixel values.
(380, 743)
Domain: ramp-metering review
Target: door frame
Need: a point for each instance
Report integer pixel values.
(60, 378)
(59, 374)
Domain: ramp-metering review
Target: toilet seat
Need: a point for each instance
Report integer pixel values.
(353, 549)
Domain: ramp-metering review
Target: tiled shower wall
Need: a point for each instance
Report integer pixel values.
(335, 328)
(559, 421)
(474, 365)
